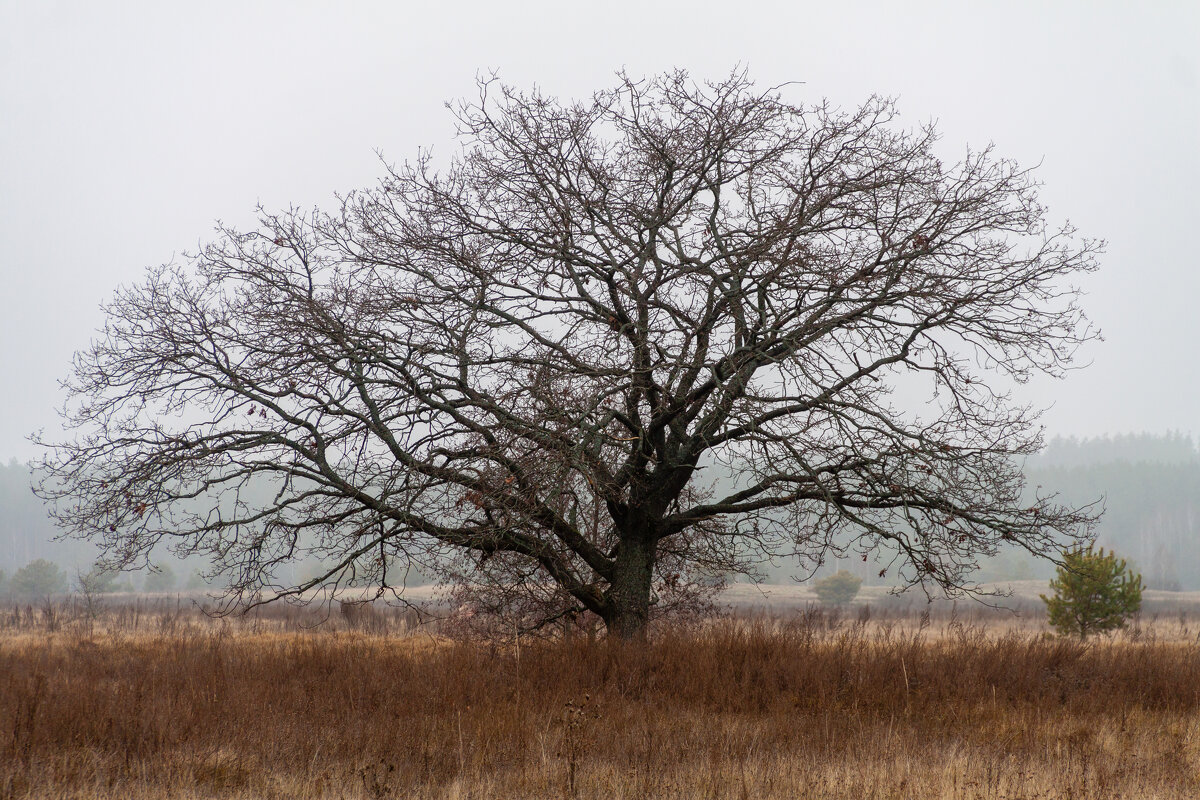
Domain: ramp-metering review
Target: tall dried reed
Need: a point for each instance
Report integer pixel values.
(803, 706)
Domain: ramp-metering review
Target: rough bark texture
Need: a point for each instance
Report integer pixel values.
(629, 593)
(614, 350)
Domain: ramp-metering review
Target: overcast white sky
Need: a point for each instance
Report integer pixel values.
(127, 129)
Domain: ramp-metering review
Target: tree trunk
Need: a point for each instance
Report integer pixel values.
(629, 594)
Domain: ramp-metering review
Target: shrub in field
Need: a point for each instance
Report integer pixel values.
(103, 581)
(161, 580)
(38, 577)
(839, 588)
(1094, 592)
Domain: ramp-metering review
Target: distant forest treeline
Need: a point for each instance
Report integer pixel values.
(26, 532)
(1131, 448)
(1149, 485)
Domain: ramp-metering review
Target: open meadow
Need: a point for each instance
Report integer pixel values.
(154, 699)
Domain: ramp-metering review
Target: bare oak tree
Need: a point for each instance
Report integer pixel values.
(610, 351)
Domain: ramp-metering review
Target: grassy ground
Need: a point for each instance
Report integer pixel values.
(171, 704)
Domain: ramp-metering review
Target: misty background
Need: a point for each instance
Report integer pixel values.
(127, 129)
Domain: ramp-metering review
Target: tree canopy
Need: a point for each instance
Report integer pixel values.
(38, 577)
(609, 352)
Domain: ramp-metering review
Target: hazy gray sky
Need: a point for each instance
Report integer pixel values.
(127, 129)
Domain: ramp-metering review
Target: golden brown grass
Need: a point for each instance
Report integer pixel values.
(806, 706)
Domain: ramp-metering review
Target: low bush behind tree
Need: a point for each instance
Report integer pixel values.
(195, 582)
(839, 588)
(161, 579)
(38, 577)
(102, 581)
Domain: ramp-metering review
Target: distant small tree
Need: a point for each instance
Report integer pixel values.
(97, 582)
(161, 579)
(3, 583)
(195, 582)
(1094, 592)
(839, 588)
(39, 577)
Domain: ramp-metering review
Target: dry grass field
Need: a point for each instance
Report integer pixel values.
(152, 702)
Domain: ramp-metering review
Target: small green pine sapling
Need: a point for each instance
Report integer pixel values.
(1094, 592)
